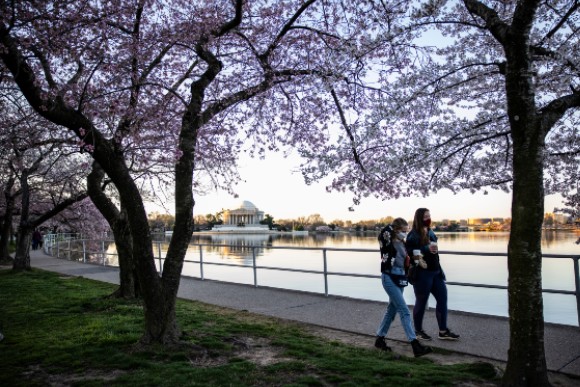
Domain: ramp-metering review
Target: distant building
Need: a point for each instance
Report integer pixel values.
(243, 220)
(246, 214)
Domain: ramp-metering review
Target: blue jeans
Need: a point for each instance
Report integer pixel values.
(430, 282)
(397, 304)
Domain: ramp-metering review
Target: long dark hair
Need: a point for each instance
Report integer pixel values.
(418, 225)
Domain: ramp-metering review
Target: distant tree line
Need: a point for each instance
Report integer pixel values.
(165, 222)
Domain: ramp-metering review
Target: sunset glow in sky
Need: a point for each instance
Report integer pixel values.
(274, 188)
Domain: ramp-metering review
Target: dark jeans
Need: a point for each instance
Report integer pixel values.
(430, 282)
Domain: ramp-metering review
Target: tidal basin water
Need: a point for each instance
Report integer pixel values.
(558, 273)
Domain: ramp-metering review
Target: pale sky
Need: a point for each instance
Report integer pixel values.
(271, 186)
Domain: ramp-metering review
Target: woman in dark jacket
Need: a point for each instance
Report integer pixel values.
(429, 280)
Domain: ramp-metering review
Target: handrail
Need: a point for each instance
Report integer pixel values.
(52, 241)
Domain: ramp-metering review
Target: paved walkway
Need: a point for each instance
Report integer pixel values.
(481, 335)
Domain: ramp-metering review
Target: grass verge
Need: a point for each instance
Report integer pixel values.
(66, 331)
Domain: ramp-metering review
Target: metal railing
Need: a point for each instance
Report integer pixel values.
(95, 251)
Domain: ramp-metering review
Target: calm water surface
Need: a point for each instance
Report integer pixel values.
(557, 273)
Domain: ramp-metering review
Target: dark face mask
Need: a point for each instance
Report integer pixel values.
(427, 222)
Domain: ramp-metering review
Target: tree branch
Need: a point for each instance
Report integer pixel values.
(286, 28)
(493, 22)
(551, 113)
(347, 129)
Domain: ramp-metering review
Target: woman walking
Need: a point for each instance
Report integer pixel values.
(393, 259)
(422, 245)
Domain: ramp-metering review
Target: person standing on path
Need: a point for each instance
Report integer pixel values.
(429, 280)
(394, 260)
(36, 239)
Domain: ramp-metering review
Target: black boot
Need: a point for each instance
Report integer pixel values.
(381, 344)
(420, 349)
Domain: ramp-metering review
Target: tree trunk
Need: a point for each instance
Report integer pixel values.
(526, 357)
(159, 295)
(129, 286)
(22, 256)
(526, 364)
(6, 226)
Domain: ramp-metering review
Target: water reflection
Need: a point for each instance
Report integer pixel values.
(492, 270)
(236, 247)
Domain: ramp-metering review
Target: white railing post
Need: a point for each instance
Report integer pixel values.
(325, 272)
(103, 252)
(201, 262)
(254, 266)
(84, 252)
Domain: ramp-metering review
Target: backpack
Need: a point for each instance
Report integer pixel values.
(387, 249)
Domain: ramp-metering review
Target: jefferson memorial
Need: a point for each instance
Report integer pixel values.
(245, 218)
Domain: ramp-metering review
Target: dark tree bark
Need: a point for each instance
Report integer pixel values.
(25, 228)
(6, 226)
(117, 219)
(526, 356)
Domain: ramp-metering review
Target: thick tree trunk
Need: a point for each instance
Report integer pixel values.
(159, 296)
(129, 285)
(5, 229)
(526, 357)
(22, 256)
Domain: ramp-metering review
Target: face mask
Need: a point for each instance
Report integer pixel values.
(402, 235)
(427, 222)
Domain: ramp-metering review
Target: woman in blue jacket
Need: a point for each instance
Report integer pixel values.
(429, 280)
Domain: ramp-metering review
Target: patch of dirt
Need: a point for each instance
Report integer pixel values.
(259, 351)
(256, 350)
(36, 372)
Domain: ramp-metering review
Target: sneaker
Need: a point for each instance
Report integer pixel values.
(448, 335)
(381, 344)
(421, 335)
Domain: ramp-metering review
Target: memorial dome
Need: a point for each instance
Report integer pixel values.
(246, 205)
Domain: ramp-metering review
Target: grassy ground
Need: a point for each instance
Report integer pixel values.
(64, 331)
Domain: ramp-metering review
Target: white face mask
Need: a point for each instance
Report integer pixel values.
(401, 235)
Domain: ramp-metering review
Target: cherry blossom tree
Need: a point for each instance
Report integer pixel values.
(42, 171)
(494, 103)
(147, 84)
